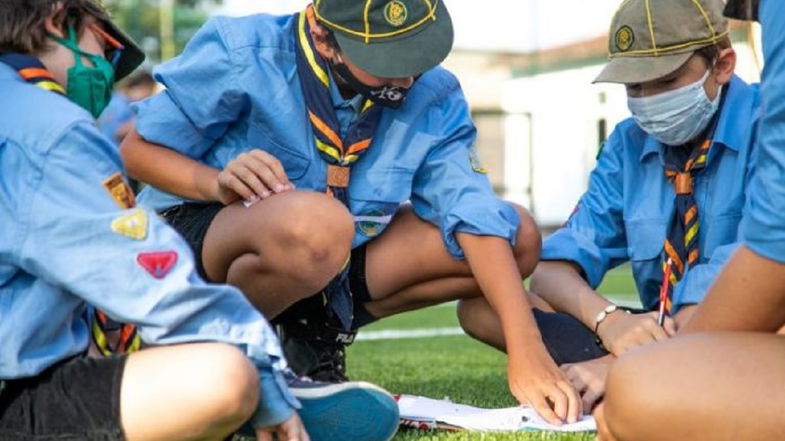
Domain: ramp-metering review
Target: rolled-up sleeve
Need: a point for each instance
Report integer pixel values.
(451, 189)
(202, 96)
(594, 236)
(763, 226)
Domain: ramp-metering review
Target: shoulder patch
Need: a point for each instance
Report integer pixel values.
(474, 160)
(159, 263)
(133, 224)
(120, 191)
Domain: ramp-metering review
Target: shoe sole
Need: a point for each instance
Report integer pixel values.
(354, 411)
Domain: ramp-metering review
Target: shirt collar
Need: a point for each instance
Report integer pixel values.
(734, 124)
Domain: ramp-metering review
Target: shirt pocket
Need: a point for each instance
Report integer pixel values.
(375, 197)
(645, 239)
(720, 230)
(295, 163)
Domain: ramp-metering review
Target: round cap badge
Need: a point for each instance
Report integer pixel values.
(624, 39)
(395, 13)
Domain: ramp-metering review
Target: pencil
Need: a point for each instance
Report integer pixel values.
(664, 291)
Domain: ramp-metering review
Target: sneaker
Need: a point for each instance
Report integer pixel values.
(319, 354)
(355, 411)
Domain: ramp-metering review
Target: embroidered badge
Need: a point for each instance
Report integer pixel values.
(474, 159)
(120, 191)
(372, 224)
(158, 264)
(133, 224)
(624, 38)
(395, 13)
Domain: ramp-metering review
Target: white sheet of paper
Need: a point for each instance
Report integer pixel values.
(477, 419)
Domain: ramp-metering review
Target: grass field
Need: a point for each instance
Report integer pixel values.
(452, 366)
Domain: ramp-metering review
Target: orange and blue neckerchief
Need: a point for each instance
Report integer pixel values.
(339, 153)
(33, 71)
(681, 249)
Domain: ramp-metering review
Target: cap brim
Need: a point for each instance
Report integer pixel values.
(629, 70)
(132, 55)
(403, 57)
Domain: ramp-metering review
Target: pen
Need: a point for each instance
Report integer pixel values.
(664, 291)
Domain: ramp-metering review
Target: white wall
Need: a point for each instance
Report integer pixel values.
(553, 122)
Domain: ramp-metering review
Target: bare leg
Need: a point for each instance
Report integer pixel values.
(281, 250)
(408, 266)
(718, 387)
(187, 392)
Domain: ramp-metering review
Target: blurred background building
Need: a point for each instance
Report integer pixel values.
(526, 67)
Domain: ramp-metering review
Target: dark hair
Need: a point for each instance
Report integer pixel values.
(710, 53)
(22, 22)
(331, 40)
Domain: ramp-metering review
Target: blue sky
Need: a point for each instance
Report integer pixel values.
(498, 25)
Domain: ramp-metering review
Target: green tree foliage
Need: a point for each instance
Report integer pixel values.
(141, 19)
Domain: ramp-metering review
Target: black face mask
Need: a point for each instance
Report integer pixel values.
(742, 9)
(387, 96)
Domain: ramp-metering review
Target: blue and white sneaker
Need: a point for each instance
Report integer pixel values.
(352, 411)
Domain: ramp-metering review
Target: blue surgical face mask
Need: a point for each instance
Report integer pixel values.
(677, 116)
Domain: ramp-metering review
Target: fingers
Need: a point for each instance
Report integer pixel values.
(278, 181)
(254, 175)
(574, 403)
(542, 407)
(231, 182)
(670, 326)
(590, 397)
(263, 435)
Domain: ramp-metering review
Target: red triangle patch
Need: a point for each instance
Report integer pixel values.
(158, 264)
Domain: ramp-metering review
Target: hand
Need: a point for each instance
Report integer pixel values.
(536, 380)
(251, 176)
(621, 332)
(588, 378)
(603, 433)
(290, 430)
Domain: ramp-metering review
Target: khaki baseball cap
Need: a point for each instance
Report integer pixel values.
(389, 38)
(650, 39)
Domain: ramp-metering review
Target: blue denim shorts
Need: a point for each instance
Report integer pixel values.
(75, 400)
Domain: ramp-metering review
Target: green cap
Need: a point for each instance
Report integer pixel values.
(132, 55)
(389, 38)
(650, 39)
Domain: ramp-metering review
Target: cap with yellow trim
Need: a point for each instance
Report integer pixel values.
(650, 39)
(132, 55)
(389, 38)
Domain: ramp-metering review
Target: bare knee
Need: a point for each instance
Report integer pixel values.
(528, 242)
(630, 398)
(316, 234)
(469, 313)
(230, 382)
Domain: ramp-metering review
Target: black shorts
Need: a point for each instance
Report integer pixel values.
(76, 400)
(192, 220)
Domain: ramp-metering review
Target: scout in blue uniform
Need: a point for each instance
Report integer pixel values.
(283, 149)
(668, 190)
(726, 382)
(72, 236)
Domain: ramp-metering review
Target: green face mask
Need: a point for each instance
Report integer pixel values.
(88, 87)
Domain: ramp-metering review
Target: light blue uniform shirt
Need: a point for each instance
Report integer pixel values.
(625, 213)
(236, 88)
(116, 115)
(763, 228)
(58, 253)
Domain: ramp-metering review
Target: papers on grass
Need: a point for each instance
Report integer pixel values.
(429, 413)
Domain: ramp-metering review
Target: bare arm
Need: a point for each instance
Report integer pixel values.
(749, 295)
(532, 374)
(252, 175)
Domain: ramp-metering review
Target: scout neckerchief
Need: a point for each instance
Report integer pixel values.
(33, 71)
(339, 154)
(681, 244)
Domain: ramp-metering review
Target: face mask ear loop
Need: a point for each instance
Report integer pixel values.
(74, 46)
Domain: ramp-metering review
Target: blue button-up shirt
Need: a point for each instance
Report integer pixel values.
(625, 213)
(59, 253)
(236, 88)
(763, 228)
